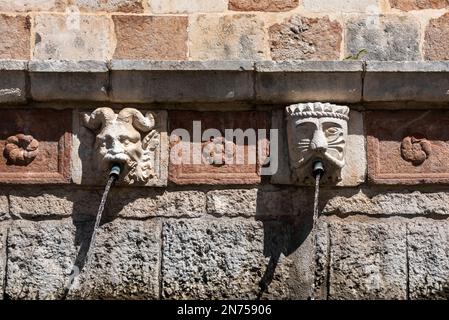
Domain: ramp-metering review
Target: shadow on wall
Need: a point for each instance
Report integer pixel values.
(287, 236)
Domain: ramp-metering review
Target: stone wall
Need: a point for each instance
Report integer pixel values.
(224, 29)
(225, 232)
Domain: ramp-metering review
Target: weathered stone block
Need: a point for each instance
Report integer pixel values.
(406, 81)
(187, 6)
(31, 5)
(150, 37)
(13, 81)
(35, 146)
(407, 147)
(302, 38)
(293, 81)
(128, 6)
(4, 207)
(341, 6)
(72, 37)
(217, 159)
(388, 203)
(368, 259)
(129, 203)
(3, 235)
(383, 38)
(50, 202)
(407, 5)
(14, 37)
(87, 170)
(125, 263)
(222, 259)
(228, 37)
(354, 171)
(264, 5)
(64, 80)
(41, 256)
(435, 44)
(181, 81)
(428, 254)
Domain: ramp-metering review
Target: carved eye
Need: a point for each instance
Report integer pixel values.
(126, 142)
(332, 131)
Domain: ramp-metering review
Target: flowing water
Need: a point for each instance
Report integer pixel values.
(314, 226)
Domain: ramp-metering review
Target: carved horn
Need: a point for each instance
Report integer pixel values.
(98, 117)
(139, 121)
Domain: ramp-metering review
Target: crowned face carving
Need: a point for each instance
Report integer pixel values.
(126, 138)
(316, 131)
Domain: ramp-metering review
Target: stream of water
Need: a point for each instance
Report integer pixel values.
(314, 227)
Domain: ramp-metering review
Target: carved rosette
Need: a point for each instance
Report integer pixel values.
(21, 149)
(415, 149)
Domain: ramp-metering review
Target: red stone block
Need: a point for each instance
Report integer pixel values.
(216, 166)
(35, 146)
(408, 147)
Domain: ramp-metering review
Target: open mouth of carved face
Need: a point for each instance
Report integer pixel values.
(119, 157)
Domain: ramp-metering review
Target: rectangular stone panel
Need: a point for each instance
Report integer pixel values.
(35, 146)
(12, 81)
(216, 165)
(408, 147)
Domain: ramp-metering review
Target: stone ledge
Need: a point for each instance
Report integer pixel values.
(144, 81)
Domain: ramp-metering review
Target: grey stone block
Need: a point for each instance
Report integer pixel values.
(222, 259)
(13, 81)
(3, 235)
(4, 207)
(125, 260)
(146, 81)
(69, 80)
(406, 81)
(428, 252)
(383, 37)
(369, 202)
(368, 259)
(291, 82)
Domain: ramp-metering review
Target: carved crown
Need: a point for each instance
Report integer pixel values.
(318, 110)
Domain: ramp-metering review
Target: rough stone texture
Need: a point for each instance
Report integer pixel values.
(151, 37)
(383, 38)
(187, 6)
(4, 207)
(229, 37)
(128, 6)
(428, 254)
(407, 5)
(84, 166)
(292, 81)
(368, 259)
(241, 167)
(3, 235)
(72, 36)
(262, 202)
(31, 5)
(302, 38)
(129, 203)
(388, 133)
(435, 45)
(52, 129)
(222, 259)
(353, 173)
(387, 202)
(12, 81)
(14, 37)
(40, 257)
(263, 5)
(125, 263)
(50, 202)
(341, 5)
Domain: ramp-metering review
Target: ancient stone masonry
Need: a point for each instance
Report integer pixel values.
(216, 111)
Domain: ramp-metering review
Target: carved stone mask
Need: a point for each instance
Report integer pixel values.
(316, 131)
(124, 138)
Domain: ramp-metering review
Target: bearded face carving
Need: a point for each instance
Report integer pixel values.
(317, 131)
(126, 138)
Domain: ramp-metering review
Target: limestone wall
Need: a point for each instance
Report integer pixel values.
(226, 231)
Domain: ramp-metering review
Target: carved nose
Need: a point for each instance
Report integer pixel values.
(319, 141)
(116, 148)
